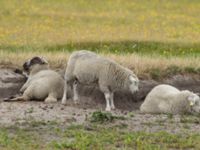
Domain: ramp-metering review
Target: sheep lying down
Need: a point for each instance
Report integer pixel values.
(167, 99)
(88, 68)
(42, 83)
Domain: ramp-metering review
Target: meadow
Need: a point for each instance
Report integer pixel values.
(142, 35)
(154, 38)
(76, 137)
(100, 133)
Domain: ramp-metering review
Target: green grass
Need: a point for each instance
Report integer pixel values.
(120, 47)
(158, 34)
(155, 30)
(141, 26)
(95, 137)
(103, 117)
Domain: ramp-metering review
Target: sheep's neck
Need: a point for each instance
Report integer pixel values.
(182, 105)
(38, 68)
(120, 76)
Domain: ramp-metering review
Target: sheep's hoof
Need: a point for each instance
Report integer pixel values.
(21, 91)
(108, 109)
(50, 100)
(76, 102)
(64, 102)
(113, 107)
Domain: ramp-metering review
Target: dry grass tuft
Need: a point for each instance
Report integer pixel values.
(141, 65)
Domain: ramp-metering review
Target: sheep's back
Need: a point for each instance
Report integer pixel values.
(88, 70)
(45, 82)
(159, 99)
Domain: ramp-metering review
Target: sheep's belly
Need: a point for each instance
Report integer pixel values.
(87, 78)
(40, 91)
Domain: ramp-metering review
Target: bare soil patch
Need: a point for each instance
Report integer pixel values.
(91, 99)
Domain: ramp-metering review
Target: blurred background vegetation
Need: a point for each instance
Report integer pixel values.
(140, 34)
(166, 27)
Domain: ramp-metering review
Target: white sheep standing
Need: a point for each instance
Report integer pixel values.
(86, 67)
(168, 99)
(42, 82)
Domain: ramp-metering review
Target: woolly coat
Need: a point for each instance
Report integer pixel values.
(166, 99)
(89, 68)
(42, 83)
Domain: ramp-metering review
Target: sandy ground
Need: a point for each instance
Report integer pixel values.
(18, 113)
(91, 100)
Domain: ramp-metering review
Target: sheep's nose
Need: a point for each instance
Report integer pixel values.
(134, 91)
(137, 89)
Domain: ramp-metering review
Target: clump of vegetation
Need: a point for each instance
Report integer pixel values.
(159, 73)
(172, 70)
(155, 73)
(102, 117)
(190, 119)
(100, 137)
(198, 70)
(169, 116)
(190, 70)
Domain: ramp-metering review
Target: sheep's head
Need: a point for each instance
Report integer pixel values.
(194, 102)
(133, 84)
(28, 65)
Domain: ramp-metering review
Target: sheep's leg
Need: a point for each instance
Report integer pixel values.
(112, 101)
(64, 98)
(108, 98)
(75, 91)
(25, 86)
(107, 95)
(50, 99)
(20, 98)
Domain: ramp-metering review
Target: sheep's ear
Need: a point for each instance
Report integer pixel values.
(38, 60)
(131, 78)
(191, 100)
(44, 60)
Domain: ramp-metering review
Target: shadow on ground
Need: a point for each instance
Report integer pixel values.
(91, 97)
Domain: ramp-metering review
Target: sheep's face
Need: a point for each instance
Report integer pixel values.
(133, 84)
(194, 102)
(34, 61)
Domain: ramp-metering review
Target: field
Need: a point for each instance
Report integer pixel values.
(53, 126)
(153, 38)
(139, 34)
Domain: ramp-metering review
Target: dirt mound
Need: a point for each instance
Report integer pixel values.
(10, 82)
(91, 97)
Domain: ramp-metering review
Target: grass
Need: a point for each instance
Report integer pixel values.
(144, 66)
(49, 22)
(190, 119)
(97, 137)
(142, 35)
(155, 39)
(103, 117)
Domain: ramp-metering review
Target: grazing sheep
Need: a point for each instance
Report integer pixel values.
(88, 68)
(167, 99)
(42, 82)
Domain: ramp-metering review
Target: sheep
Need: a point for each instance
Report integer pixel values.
(42, 82)
(88, 68)
(168, 99)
